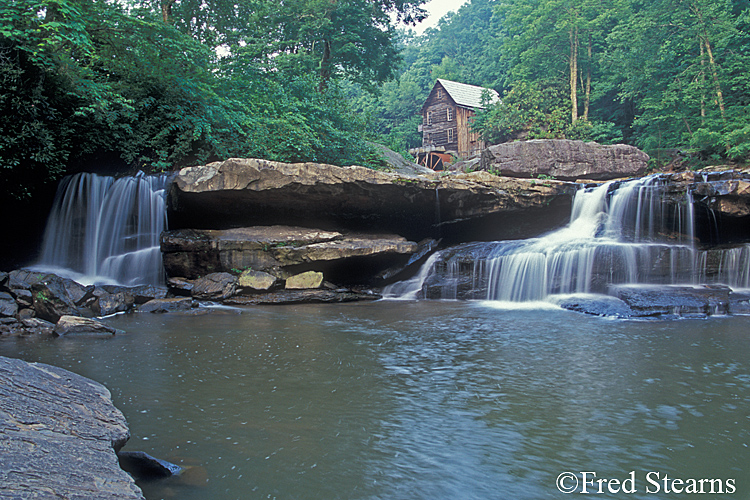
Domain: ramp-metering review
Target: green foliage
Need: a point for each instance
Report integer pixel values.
(527, 111)
(90, 78)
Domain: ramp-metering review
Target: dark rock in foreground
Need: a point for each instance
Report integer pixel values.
(58, 436)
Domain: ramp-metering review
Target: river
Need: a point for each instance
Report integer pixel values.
(423, 400)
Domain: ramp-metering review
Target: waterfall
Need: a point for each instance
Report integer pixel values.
(106, 230)
(633, 232)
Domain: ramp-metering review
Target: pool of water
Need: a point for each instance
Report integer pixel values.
(423, 400)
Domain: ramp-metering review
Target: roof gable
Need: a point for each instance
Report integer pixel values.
(469, 96)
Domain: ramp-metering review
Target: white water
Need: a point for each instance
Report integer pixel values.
(618, 234)
(106, 230)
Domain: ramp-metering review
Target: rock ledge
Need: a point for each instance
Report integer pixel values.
(58, 436)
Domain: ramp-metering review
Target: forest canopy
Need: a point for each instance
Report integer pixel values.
(157, 84)
(162, 83)
(669, 76)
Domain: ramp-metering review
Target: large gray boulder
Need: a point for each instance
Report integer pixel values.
(59, 433)
(564, 159)
(249, 192)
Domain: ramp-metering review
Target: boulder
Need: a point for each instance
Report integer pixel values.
(143, 293)
(59, 433)
(306, 280)
(69, 325)
(8, 305)
(249, 192)
(111, 303)
(52, 300)
(36, 326)
(256, 281)
(23, 297)
(180, 286)
(167, 305)
(24, 278)
(214, 286)
(673, 300)
(564, 159)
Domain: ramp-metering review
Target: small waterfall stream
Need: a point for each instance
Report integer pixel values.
(632, 232)
(106, 230)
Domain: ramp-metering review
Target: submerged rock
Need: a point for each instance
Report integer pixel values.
(59, 433)
(143, 466)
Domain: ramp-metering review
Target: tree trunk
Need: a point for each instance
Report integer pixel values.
(166, 10)
(717, 85)
(574, 74)
(703, 81)
(587, 97)
(325, 66)
(711, 62)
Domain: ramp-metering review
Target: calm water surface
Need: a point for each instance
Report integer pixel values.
(421, 400)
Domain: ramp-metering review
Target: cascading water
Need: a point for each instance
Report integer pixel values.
(631, 232)
(106, 230)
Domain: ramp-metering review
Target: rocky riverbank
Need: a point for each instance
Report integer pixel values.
(59, 434)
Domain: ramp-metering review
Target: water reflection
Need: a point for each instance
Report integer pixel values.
(405, 400)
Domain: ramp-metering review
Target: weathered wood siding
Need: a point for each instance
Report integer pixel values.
(469, 142)
(435, 122)
(448, 125)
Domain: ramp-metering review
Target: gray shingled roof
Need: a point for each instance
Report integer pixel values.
(469, 96)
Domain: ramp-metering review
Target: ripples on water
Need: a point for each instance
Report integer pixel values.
(405, 400)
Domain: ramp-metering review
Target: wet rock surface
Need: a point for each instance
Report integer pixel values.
(33, 302)
(59, 433)
(661, 302)
(176, 304)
